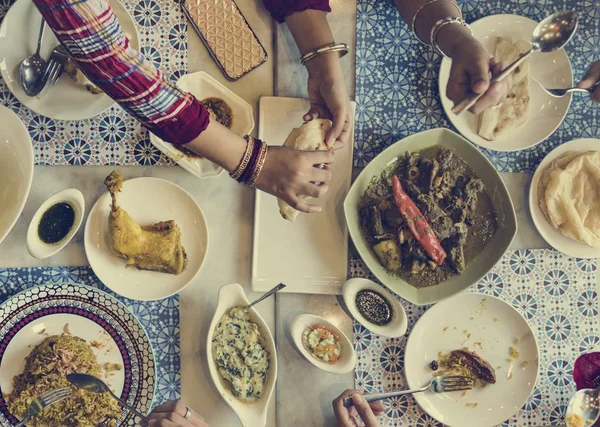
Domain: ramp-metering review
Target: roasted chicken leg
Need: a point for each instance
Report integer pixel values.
(154, 247)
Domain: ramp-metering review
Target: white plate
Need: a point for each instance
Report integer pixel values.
(553, 70)
(396, 328)
(35, 246)
(309, 255)
(250, 415)
(65, 100)
(495, 325)
(202, 86)
(559, 242)
(16, 169)
(347, 359)
(148, 201)
(27, 318)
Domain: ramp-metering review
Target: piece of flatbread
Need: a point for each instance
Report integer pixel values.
(558, 163)
(572, 198)
(309, 136)
(514, 111)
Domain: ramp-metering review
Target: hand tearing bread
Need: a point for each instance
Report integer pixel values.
(308, 137)
(514, 111)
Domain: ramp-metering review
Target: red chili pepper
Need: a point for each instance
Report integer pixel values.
(417, 223)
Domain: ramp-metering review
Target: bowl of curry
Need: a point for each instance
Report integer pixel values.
(430, 216)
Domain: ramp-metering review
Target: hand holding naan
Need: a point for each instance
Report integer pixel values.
(591, 78)
(471, 71)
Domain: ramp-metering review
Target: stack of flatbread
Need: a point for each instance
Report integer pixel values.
(309, 136)
(569, 196)
(515, 109)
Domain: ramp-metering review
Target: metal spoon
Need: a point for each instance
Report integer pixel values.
(585, 405)
(267, 295)
(92, 384)
(33, 68)
(551, 34)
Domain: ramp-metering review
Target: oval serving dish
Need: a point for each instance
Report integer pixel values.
(397, 326)
(250, 414)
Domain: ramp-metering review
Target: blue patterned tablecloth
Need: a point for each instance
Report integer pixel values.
(397, 78)
(159, 318)
(555, 293)
(113, 137)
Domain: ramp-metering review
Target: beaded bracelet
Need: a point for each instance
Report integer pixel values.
(259, 165)
(245, 159)
(414, 20)
(441, 24)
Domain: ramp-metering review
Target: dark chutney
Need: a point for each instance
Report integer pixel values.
(56, 223)
(374, 307)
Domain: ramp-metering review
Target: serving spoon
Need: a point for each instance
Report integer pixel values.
(551, 34)
(265, 296)
(92, 384)
(586, 405)
(33, 68)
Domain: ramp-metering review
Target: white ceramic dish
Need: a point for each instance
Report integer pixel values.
(396, 328)
(488, 326)
(250, 415)
(65, 100)
(347, 359)
(549, 233)
(16, 169)
(202, 86)
(147, 200)
(41, 250)
(552, 70)
(315, 258)
(91, 314)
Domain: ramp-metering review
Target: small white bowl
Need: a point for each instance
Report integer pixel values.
(396, 328)
(250, 414)
(41, 250)
(347, 359)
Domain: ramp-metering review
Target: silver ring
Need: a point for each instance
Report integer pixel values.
(188, 413)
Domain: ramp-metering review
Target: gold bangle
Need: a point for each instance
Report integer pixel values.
(342, 48)
(413, 25)
(247, 155)
(259, 165)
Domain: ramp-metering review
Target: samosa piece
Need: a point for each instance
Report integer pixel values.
(154, 247)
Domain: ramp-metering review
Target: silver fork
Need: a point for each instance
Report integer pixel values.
(56, 65)
(44, 400)
(441, 384)
(557, 93)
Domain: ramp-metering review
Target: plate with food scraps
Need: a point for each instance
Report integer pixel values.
(493, 340)
(68, 99)
(53, 330)
(430, 216)
(529, 115)
(375, 308)
(315, 257)
(247, 391)
(323, 344)
(569, 179)
(169, 226)
(224, 106)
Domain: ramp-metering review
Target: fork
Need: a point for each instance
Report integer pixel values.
(441, 384)
(557, 93)
(44, 400)
(56, 65)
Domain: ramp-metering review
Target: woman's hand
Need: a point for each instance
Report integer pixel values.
(290, 174)
(171, 414)
(471, 70)
(329, 98)
(590, 79)
(351, 417)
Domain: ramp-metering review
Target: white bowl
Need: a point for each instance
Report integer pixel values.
(16, 169)
(347, 359)
(396, 328)
(41, 250)
(250, 414)
(202, 86)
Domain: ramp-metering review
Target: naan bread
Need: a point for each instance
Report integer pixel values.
(515, 109)
(309, 136)
(572, 197)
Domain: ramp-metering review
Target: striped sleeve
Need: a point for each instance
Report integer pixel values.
(91, 33)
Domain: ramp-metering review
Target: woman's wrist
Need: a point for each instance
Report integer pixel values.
(323, 65)
(310, 30)
(451, 37)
